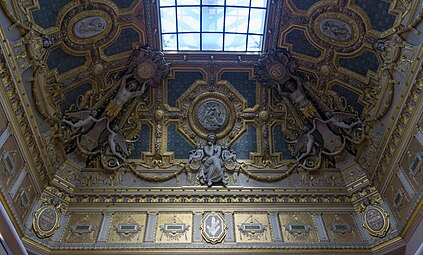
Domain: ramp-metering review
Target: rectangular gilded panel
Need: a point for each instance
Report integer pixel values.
(252, 227)
(412, 163)
(24, 198)
(11, 163)
(298, 227)
(82, 228)
(398, 199)
(341, 227)
(174, 228)
(127, 227)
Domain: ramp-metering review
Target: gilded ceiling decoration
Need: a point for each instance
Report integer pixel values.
(137, 148)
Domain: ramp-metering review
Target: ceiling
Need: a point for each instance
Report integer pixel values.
(306, 124)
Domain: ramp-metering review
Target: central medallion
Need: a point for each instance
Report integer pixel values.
(211, 114)
(206, 112)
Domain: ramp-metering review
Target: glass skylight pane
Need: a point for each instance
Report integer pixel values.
(167, 2)
(188, 19)
(188, 2)
(255, 43)
(238, 2)
(259, 3)
(213, 19)
(235, 42)
(189, 41)
(210, 25)
(212, 41)
(168, 17)
(213, 2)
(257, 17)
(169, 42)
(236, 20)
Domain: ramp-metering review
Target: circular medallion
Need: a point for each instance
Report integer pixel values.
(277, 71)
(212, 114)
(325, 69)
(46, 221)
(146, 70)
(376, 221)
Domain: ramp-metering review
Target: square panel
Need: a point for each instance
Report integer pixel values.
(235, 42)
(189, 41)
(188, 19)
(169, 42)
(168, 19)
(257, 17)
(82, 228)
(252, 228)
(298, 227)
(238, 2)
(236, 20)
(212, 19)
(127, 227)
(212, 41)
(341, 228)
(174, 228)
(213, 2)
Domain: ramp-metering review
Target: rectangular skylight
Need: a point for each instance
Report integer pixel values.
(212, 25)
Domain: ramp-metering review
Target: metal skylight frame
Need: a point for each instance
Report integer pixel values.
(171, 30)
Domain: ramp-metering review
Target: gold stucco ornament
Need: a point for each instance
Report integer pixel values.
(376, 220)
(46, 221)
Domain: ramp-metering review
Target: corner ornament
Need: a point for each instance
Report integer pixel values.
(376, 220)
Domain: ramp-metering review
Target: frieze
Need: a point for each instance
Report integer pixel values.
(18, 109)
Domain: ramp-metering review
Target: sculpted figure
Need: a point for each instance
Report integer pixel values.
(297, 95)
(114, 139)
(127, 90)
(85, 119)
(307, 142)
(212, 157)
(212, 168)
(341, 120)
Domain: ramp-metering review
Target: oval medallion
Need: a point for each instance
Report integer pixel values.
(89, 27)
(376, 221)
(336, 29)
(46, 221)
